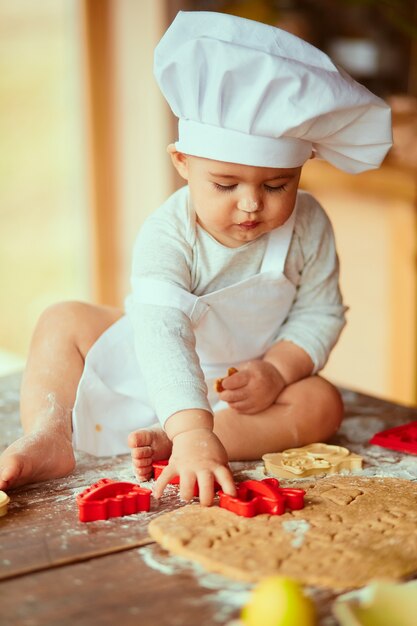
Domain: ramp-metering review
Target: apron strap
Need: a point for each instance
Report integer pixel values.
(161, 293)
(278, 245)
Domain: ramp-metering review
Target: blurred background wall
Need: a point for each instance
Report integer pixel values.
(83, 161)
(44, 222)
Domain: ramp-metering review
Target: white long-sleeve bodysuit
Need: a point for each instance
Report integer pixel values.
(171, 247)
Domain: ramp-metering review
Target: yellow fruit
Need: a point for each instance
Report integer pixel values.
(278, 601)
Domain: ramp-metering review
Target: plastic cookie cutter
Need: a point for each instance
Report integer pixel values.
(158, 468)
(4, 501)
(111, 498)
(255, 497)
(316, 458)
(402, 438)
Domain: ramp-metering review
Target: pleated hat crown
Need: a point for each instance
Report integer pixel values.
(250, 93)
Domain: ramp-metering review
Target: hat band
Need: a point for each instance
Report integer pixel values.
(223, 144)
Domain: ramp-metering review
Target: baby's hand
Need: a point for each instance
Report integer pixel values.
(253, 388)
(197, 456)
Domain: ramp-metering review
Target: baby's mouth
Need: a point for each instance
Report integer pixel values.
(248, 224)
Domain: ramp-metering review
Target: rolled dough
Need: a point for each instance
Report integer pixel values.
(351, 531)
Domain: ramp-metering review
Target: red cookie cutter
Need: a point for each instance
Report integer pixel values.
(111, 498)
(266, 496)
(158, 468)
(402, 438)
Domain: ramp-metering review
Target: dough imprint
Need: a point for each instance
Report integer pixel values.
(351, 531)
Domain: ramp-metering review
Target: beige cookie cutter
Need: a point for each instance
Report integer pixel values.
(4, 501)
(316, 458)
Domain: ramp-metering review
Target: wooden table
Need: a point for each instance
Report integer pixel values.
(55, 570)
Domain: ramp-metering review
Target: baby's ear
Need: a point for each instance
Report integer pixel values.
(179, 160)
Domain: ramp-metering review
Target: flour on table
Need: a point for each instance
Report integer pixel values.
(226, 595)
(298, 527)
(359, 430)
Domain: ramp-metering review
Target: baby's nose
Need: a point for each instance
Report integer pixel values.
(248, 205)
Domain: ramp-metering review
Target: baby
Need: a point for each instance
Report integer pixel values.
(236, 269)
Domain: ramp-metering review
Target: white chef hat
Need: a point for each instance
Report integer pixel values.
(250, 93)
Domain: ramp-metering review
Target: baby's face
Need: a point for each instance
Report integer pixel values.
(239, 203)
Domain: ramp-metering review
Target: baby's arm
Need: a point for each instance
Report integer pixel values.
(197, 456)
(317, 316)
(165, 345)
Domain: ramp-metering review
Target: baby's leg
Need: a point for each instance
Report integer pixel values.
(62, 338)
(308, 411)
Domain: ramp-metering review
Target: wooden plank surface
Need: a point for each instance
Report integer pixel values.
(116, 589)
(57, 570)
(41, 529)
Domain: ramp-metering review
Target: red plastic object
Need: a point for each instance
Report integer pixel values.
(111, 498)
(402, 438)
(159, 466)
(266, 496)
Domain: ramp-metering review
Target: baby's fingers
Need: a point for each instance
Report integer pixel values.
(166, 475)
(187, 484)
(246, 407)
(235, 381)
(206, 487)
(234, 395)
(224, 477)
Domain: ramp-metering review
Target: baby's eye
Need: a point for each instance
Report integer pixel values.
(224, 187)
(278, 189)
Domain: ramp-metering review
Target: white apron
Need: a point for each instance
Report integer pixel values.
(232, 325)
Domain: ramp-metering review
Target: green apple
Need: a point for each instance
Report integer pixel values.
(278, 601)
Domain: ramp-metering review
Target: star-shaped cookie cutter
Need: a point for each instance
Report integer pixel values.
(112, 498)
(255, 497)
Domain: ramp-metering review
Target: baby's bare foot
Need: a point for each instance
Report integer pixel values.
(40, 455)
(148, 445)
